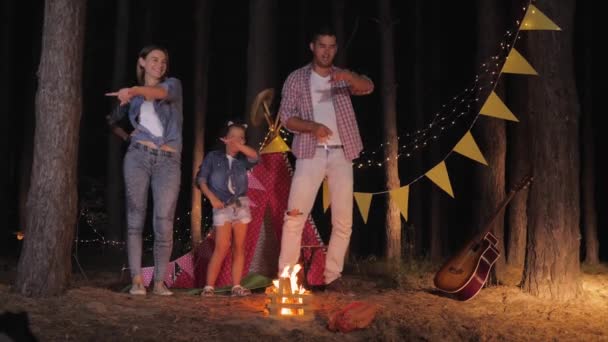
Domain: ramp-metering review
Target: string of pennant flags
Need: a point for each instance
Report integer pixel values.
(512, 63)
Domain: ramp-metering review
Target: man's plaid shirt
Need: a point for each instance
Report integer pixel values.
(297, 102)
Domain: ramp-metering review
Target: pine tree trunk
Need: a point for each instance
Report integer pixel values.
(115, 197)
(45, 265)
(27, 111)
(592, 248)
(338, 11)
(552, 267)
(389, 105)
(491, 136)
(201, 75)
(25, 165)
(519, 165)
(435, 214)
(415, 215)
(149, 8)
(303, 54)
(261, 59)
(6, 69)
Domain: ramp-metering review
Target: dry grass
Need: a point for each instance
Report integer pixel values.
(410, 310)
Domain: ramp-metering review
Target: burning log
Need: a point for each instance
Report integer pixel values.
(287, 298)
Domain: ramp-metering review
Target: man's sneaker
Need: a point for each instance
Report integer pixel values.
(338, 285)
(317, 288)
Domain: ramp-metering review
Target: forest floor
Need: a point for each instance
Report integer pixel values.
(96, 309)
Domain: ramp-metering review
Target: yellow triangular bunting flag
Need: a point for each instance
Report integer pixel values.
(401, 197)
(496, 108)
(363, 202)
(326, 198)
(517, 64)
(468, 148)
(537, 20)
(276, 145)
(439, 176)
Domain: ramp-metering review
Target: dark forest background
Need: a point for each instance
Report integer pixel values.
(438, 46)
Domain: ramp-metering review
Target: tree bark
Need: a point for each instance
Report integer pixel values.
(415, 215)
(201, 76)
(7, 51)
(115, 198)
(261, 59)
(147, 34)
(44, 265)
(435, 214)
(338, 10)
(519, 138)
(491, 136)
(303, 32)
(592, 248)
(552, 267)
(389, 105)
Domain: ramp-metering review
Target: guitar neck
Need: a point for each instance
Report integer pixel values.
(488, 225)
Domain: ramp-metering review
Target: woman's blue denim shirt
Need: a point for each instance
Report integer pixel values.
(215, 172)
(169, 111)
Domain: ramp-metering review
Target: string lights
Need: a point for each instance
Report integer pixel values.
(464, 105)
(95, 219)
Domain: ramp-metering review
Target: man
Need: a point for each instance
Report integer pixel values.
(316, 107)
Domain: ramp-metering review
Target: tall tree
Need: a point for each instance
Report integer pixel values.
(338, 10)
(45, 263)
(415, 215)
(435, 214)
(115, 203)
(519, 165)
(261, 58)
(552, 267)
(491, 133)
(389, 106)
(201, 75)
(27, 110)
(592, 248)
(7, 14)
(150, 7)
(304, 9)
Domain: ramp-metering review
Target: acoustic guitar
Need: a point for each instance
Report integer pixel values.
(465, 274)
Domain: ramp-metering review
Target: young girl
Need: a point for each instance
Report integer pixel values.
(152, 160)
(223, 180)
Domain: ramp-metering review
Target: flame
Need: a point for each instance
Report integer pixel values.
(289, 274)
(20, 235)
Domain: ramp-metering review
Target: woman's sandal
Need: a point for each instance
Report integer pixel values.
(161, 290)
(137, 289)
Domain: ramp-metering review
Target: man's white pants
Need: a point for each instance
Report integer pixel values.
(307, 179)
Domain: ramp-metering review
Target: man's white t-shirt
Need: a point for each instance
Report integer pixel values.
(323, 106)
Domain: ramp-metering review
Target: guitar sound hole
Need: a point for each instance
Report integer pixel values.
(455, 270)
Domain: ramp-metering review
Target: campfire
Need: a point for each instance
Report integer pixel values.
(287, 298)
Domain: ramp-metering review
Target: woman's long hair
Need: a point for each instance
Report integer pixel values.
(139, 70)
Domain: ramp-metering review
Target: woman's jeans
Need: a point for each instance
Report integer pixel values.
(146, 167)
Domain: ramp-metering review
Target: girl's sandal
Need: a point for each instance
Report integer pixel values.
(208, 291)
(239, 291)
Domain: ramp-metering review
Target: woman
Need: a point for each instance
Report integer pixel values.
(152, 161)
